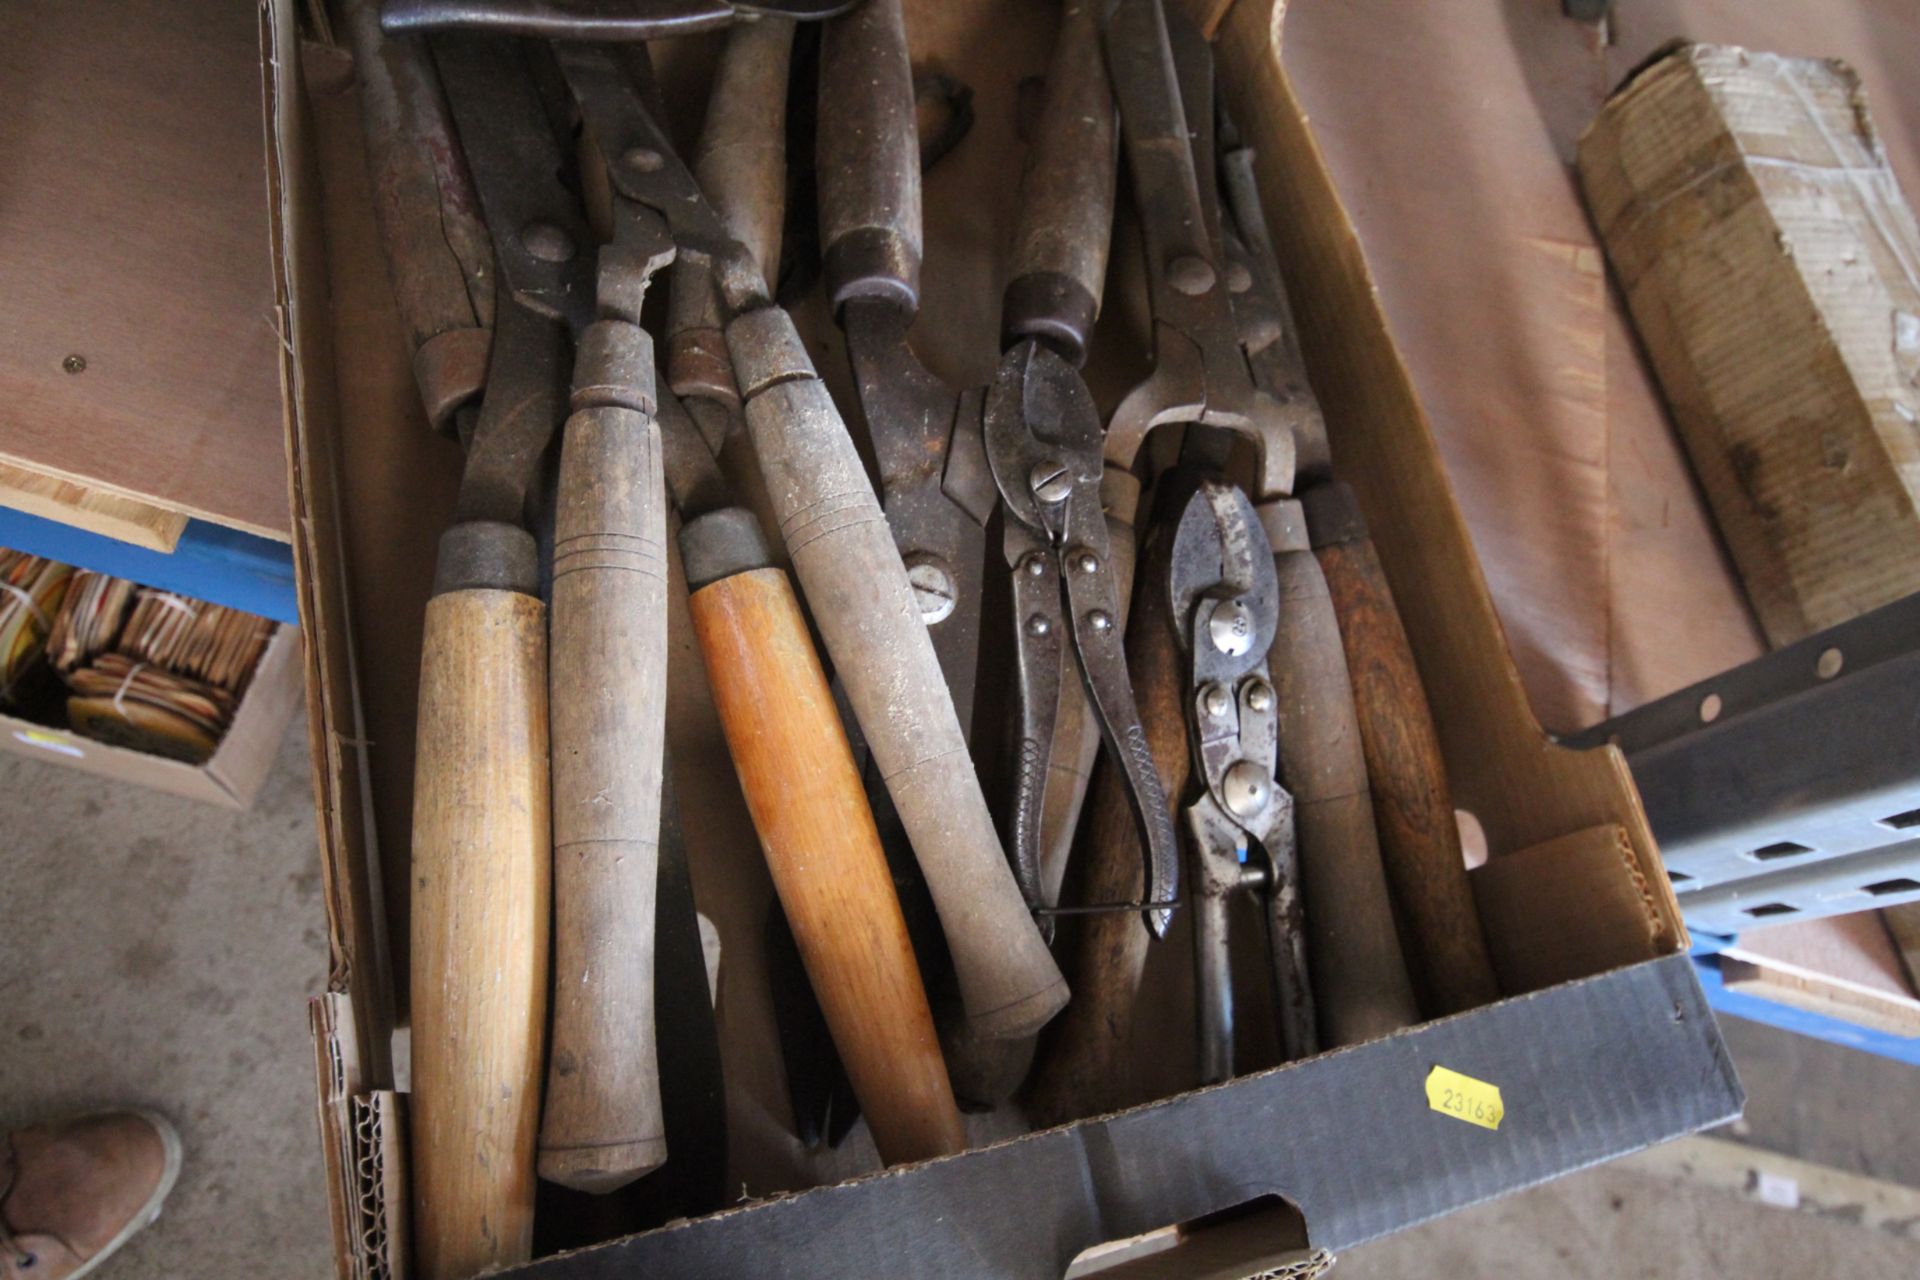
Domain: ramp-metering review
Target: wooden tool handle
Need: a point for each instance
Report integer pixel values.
(869, 158)
(1066, 197)
(602, 1127)
(856, 585)
(1358, 975)
(804, 793)
(1412, 807)
(480, 874)
(1082, 1068)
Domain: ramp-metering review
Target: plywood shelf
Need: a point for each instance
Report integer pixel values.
(139, 368)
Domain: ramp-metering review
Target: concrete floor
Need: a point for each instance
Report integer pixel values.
(160, 952)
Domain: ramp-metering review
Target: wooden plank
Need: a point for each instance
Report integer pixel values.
(1773, 270)
(100, 511)
(137, 345)
(1844, 967)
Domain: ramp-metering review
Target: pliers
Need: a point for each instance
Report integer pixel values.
(1226, 606)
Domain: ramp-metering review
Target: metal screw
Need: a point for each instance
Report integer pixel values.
(1100, 620)
(1259, 696)
(1246, 789)
(1038, 626)
(1239, 279)
(75, 363)
(1216, 700)
(1190, 275)
(642, 159)
(1086, 562)
(547, 242)
(1050, 481)
(1231, 628)
(932, 588)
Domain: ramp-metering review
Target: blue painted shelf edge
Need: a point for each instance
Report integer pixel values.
(212, 563)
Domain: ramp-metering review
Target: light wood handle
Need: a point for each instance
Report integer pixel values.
(602, 1126)
(845, 557)
(480, 865)
(1412, 807)
(804, 793)
(1082, 1067)
(1354, 964)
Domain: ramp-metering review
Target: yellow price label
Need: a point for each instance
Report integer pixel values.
(1464, 1098)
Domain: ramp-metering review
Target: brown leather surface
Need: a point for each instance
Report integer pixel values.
(71, 1186)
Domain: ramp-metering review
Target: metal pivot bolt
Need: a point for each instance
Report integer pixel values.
(1231, 628)
(1216, 700)
(1246, 789)
(547, 242)
(642, 159)
(932, 588)
(1190, 275)
(1050, 481)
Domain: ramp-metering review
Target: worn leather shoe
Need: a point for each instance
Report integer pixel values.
(74, 1191)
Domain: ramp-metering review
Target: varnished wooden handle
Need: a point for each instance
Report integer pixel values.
(1082, 1065)
(804, 793)
(847, 562)
(1358, 975)
(480, 902)
(1412, 807)
(602, 1126)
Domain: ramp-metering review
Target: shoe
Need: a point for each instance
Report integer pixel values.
(73, 1192)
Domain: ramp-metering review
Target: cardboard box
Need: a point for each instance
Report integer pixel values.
(231, 777)
(1769, 258)
(1603, 1046)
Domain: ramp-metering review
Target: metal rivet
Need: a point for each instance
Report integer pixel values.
(1050, 481)
(642, 159)
(1239, 279)
(1038, 626)
(1246, 789)
(546, 242)
(1829, 663)
(75, 363)
(1099, 620)
(1034, 565)
(1216, 700)
(1710, 707)
(1086, 562)
(1259, 696)
(1231, 628)
(1190, 275)
(932, 588)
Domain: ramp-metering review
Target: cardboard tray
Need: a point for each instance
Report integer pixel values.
(231, 777)
(1603, 1045)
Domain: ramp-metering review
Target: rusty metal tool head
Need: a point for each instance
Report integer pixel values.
(1162, 74)
(1226, 602)
(599, 20)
